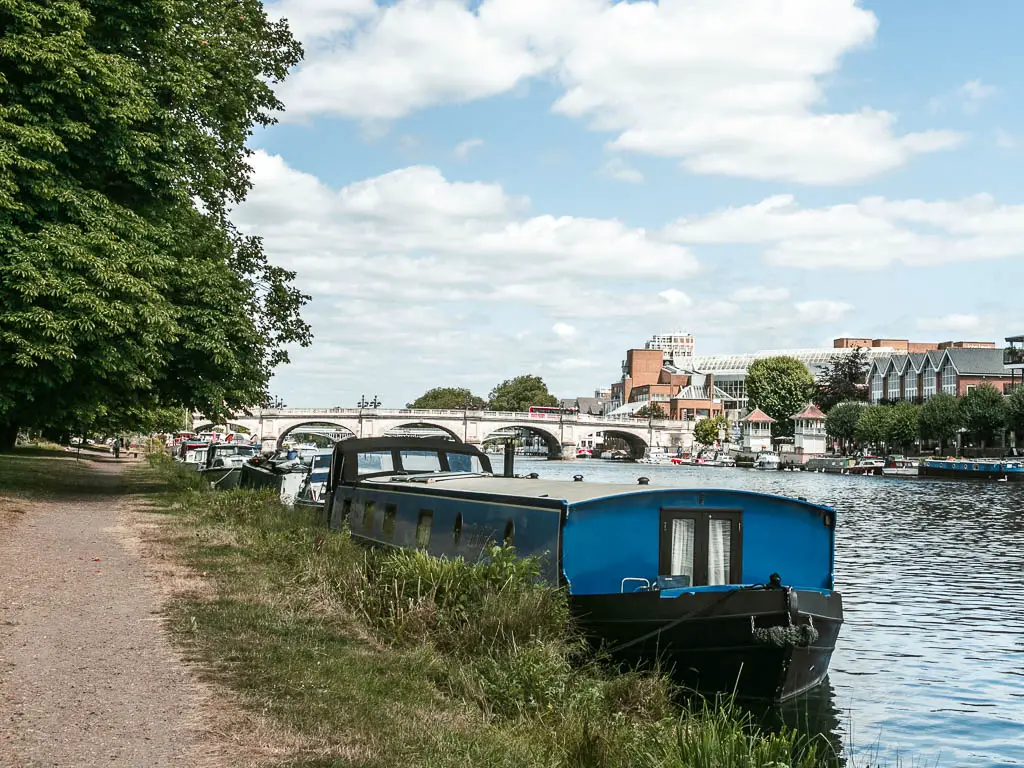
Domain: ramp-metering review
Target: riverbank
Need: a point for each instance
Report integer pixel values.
(383, 659)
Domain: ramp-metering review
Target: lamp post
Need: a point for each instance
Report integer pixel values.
(364, 403)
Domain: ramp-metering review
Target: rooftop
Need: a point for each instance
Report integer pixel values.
(757, 416)
(810, 412)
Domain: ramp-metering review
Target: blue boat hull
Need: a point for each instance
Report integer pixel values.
(722, 644)
(965, 470)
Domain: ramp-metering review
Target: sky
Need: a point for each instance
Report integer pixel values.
(474, 190)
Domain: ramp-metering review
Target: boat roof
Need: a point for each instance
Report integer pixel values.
(568, 491)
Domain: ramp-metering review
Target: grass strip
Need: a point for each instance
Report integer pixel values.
(397, 658)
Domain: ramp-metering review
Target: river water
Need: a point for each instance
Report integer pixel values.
(929, 668)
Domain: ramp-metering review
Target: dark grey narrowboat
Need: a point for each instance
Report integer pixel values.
(732, 590)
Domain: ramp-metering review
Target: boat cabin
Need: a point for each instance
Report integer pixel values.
(228, 454)
(597, 538)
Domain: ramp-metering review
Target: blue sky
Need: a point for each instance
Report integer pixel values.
(471, 192)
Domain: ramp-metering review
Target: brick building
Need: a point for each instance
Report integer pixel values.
(956, 368)
(648, 378)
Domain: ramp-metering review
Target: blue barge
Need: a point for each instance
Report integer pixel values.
(970, 469)
(732, 590)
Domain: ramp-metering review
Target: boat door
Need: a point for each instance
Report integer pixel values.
(700, 547)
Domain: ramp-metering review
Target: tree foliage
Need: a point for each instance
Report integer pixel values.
(448, 398)
(520, 393)
(841, 423)
(940, 418)
(651, 410)
(780, 386)
(873, 425)
(843, 380)
(983, 412)
(1015, 410)
(123, 287)
(902, 429)
(705, 431)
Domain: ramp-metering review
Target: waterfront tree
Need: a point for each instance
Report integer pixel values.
(873, 425)
(705, 431)
(841, 423)
(123, 287)
(983, 413)
(842, 380)
(448, 398)
(940, 419)
(902, 428)
(780, 386)
(1015, 411)
(652, 410)
(519, 393)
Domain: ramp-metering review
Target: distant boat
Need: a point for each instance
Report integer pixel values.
(969, 469)
(899, 466)
(730, 590)
(868, 465)
(223, 465)
(767, 460)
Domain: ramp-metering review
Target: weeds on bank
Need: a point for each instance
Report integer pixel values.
(397, 658)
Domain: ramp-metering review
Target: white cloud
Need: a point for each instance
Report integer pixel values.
(760, 293)
(871, 234)
(563, 330)
(952, 323)
(463, 148)
(727, 87)
(968, 97)
(676, 297)
(822, 310)
(1006, 140)
(619, 170)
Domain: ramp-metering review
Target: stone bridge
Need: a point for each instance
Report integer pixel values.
(560, 432)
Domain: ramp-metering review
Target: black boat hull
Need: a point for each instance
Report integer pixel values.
(715, 642)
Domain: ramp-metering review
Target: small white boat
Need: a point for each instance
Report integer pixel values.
(901, 467)
(767, 460)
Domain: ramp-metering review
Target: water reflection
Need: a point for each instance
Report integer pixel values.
(929, 667)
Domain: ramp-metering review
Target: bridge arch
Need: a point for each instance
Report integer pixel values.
(637, 445)
(551, 440)
(343, 431)
(413, 427)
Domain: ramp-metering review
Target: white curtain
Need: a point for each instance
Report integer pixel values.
(682, 548)
(719, 551)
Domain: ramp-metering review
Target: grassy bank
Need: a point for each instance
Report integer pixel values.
(396, 658)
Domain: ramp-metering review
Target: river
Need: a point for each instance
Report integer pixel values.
(929, 668)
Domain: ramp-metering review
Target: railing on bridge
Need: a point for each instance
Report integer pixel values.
(478, 415)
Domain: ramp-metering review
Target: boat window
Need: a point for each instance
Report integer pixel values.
(510, 533)
(683, 537)
(368, 510)
(421, 461)
(426, 520)
(463, 462)
(322, 462)
(374, 461)
(458, 528)
(388, 527)
(719, 551)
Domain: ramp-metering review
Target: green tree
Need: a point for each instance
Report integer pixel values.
(705, 431)
(842, 380)
(902, 429)
(520, 393)
(873, 425)
(1015, 410)
(983, 412)
(119, 294)
(653, 410)
(940, 419)
(779, 386)
(841, 423)
(448, 398)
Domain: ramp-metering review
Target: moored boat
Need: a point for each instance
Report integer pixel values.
(731, 590)
(970, 469)
(223, 466)
(869, 465)
(900, 466)
(767, 460)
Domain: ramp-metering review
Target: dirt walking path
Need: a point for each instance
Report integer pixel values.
(88, 676)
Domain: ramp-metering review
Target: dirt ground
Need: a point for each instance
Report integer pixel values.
(88, 675)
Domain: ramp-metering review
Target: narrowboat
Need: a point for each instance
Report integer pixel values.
(970, 469)
(730, 590)
(223, 466)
